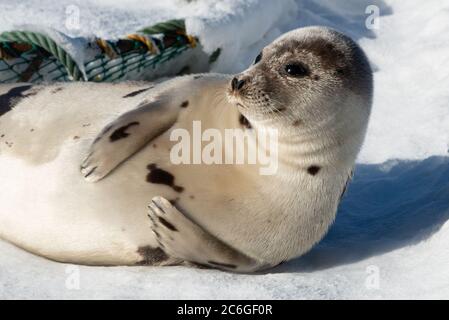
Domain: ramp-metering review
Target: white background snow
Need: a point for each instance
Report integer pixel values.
(391, 236)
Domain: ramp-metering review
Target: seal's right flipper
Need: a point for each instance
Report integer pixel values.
(181, 238)
(127, 135)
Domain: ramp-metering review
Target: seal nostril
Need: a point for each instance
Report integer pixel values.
(234, 83)
(237, 84)
(240, 84)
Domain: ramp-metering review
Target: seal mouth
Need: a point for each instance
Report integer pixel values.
(278, 110)
(235, 99)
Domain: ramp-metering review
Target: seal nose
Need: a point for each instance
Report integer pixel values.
(237, 84)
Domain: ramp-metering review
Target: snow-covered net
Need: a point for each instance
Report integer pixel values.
(28, 56)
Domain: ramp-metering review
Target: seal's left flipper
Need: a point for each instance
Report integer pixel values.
(180, 237)
(126, 135)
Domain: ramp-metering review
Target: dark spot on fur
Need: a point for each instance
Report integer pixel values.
(2, 135)
(151, 256)
(316, 77)
(225, 265)
(297, 123)
(121, 133)
(10, 99)
(313, 170)
(192, 197)
(154, 145)
(178, 188)
(197, 77)
(167, 224)
(86, 125)
(55, 90)
(76, 138)
(244, 122)
(160, 176)
(135, 93)
(184, 104)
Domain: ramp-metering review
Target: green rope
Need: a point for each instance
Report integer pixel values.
(46, 43)
(33, 56)
(166, 27)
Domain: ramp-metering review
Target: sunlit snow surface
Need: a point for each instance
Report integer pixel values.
(390, 239)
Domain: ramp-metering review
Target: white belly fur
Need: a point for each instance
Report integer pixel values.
(48, 208)
(45, 205)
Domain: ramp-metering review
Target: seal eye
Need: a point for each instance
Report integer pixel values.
(258, 58)
(297, 70)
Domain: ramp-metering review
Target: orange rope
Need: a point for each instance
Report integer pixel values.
(146, 41)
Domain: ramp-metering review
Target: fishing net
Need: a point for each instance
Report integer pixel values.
(28, 56)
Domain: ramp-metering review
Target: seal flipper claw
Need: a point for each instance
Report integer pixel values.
(182, 238)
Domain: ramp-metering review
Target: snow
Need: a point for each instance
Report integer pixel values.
(392, 230)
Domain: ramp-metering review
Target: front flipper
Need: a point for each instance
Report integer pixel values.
(181, 238)
(127, 135)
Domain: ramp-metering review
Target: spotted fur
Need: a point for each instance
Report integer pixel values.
(313, 170)
(151, 256)
(121, 133)
(13, 97)
(160, 176)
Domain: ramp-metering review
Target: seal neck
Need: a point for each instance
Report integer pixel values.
(308, 150)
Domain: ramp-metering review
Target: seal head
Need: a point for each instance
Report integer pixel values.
(307, 80)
